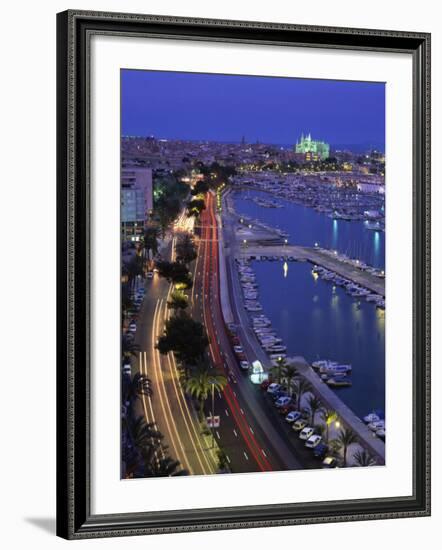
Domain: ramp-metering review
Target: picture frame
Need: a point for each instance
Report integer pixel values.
(74, 32)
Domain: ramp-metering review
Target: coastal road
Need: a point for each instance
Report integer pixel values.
(168, 408)
(265, 444)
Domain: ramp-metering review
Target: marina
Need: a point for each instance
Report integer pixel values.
(306, 226)
(336, 314)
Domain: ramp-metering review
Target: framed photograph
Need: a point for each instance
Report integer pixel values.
(243, 274)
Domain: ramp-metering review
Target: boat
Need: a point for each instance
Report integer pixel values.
(277, 348)
(371, 417)
(378, 425)
(276, 356)
(335, 369)
(381, 434)
(339, 382)
(322, 363)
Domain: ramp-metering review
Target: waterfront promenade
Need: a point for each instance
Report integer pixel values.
(329, 398)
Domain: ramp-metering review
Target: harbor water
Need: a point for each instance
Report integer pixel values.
(308, 227)
(316, 319)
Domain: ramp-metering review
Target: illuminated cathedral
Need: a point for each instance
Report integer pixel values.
(318, 150)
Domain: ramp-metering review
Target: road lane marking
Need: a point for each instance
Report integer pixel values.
(235, 432)
(245, 454)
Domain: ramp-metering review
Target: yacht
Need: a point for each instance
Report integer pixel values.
(323, 363)
(378, 425)
(335, 369)
(372, 417)
(339, 382)
(277, 348)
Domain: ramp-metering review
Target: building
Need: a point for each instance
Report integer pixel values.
(312, 149)
(136, 200)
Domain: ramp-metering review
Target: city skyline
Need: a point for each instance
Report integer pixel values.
(226, 108)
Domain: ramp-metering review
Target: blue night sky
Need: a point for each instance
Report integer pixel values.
(192, 106)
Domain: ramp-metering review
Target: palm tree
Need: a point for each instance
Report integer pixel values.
(315, 405)
(201, 384)
(346, 437)
(364, 458)
(290, 373)
(302, 386)
(164, 467)
(144, 435)
(150, 240)
(178, 301)
(335, 446)
(278, 369)
(329, 416)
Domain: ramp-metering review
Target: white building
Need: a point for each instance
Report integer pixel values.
(136, 200)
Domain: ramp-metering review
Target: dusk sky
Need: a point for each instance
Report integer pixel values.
(173, 105)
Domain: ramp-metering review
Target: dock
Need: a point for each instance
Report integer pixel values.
(315, 256)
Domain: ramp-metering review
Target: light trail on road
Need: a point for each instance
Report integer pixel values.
(165, 406)
(210, 252)
(184, 408)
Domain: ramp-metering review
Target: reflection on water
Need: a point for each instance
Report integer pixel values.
(317, 320)
(309, 228)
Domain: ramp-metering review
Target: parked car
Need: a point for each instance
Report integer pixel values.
(320, 451)
(329, 462)
(283, 401)
(265, 384)
(293, 416)
(287, 409)
(149, 275)
(299, 425)
(244, 365)
(232, 328)
(273, 388)
(127, 369)
(313, 441)
(279, 393)
(238, 349)
(306, 433)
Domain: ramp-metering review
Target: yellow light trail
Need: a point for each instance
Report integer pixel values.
(160, 385)
(149, 419)
(182, 400)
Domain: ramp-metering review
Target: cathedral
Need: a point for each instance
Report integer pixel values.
(319, 150)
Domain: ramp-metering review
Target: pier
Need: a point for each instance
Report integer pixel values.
(317, 257)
